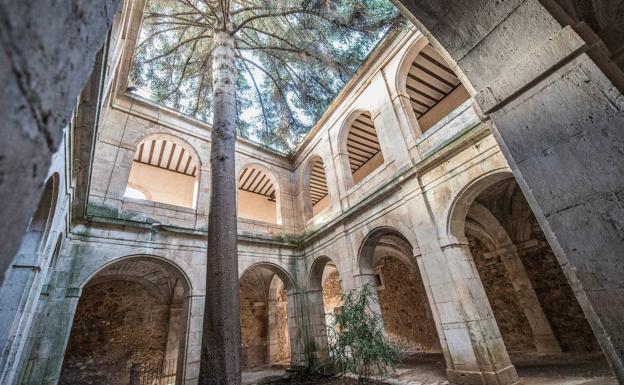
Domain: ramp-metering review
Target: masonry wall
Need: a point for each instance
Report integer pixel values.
(117, 324)
(510, 318)
(405, 308)
(415, 191)
(254, 322)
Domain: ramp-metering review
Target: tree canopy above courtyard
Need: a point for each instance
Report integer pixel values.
(292, 57)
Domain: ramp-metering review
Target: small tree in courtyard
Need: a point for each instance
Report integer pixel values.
(356, 340)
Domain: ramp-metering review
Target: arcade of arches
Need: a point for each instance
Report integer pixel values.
(470, 174)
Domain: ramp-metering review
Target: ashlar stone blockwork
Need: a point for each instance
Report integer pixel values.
(531, 120)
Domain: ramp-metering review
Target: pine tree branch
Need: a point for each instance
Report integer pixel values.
(253, 79)
(177, 47)
(277, 85)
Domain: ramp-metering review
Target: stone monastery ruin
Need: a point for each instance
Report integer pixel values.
(471, 171)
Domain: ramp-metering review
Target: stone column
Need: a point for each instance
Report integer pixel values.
(298, 332)
(475, 345)
(555, 99)
(344, 176)
(48, 351)
(471, 341)
(543, 335)
(316, 314)
(273, 343)
(369, 279)
(174, 334)
(187, 372)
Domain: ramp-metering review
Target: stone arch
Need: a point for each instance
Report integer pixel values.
(289, 282)
(161, 260)
(144, 297)
(257, 179)
(167, 157)
(37, 234)
(315, 277)
(267, 315)
(315, 191)
(366, 252)
(458, 209)
(179, 141)
(387, 262)
(428, 87)
(360, 152)
(17, 305)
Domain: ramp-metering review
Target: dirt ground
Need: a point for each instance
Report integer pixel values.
(430, 369)
(317, 381)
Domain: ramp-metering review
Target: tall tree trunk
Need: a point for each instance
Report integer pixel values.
(220, 354)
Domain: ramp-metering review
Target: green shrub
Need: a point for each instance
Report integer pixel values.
(357, 344)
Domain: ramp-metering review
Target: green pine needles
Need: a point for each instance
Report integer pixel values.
(357, 344)
(292, 58)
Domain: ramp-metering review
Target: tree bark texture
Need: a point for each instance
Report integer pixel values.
(220, 355)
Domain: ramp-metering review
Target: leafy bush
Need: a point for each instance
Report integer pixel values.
(357, 343)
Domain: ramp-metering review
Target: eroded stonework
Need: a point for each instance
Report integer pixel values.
(117, 323)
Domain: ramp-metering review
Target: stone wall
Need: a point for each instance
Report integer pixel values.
(281, 326)
(557, 299)
(404, 306)
(264, 322)
(332, 292)
(253, 318)
(117, 323)
(512, 322)
(508, 205)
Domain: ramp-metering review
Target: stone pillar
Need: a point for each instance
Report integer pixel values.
(555, 99)
(273, 340)
(316, 314)
(48, 351)
(543, 335)
(174, 332)
(187, 372)
(475, 345)
(393, 144)
(298, 333)
(344, 176)
(369, 279)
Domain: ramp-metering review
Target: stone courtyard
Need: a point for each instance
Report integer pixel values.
(471, 172)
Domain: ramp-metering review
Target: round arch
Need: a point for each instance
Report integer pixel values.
(273, 181)
(41, 222)
(178, 141)
(343, 135)
(165, 168)
(289, 282)
(366, 253)
(406, 62)
(154, 312)
(315, 276)
(458, 210)
(162, 261)
(360, 153)
(311, 193)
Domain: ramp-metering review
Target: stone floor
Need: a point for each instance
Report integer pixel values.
(533, 369)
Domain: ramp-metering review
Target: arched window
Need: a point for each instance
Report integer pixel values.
(164, 170)
(258, 195)
(316, 194)
(363, 147)
(433, 88)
